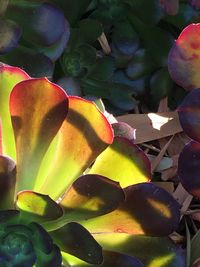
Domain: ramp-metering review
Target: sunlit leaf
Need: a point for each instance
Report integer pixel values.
(38, 109)
(9, 77)
(188, 168)
(151, 251)
(147, 209)
(90, 196)
(123, 162)
(37, 207)
(83, 136)
(183, 61)
(189, 114)
(76, 240)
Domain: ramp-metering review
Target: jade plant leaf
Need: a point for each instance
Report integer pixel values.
(85, 248)
(9, 77)
(39, 207)
(124, 130)
(84, 134)
(90, 30)
(133, 166)
(188, 168)
(90, 196)
(7, 182)
(35, 125)
(130, 217)
(170, 6)
(189, 114)
(151, 251)
(184, 56)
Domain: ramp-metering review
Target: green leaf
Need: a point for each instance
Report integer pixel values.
(37, 207)
(9, 77)
(131, 165)
(35, 125)
(161, 216)
(90, 30)
(76, 240)
(84, 134)
(151, 251)
(90, 196)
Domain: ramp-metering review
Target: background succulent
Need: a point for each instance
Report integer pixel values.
(183, 67)
(114, 50)
(79, 182)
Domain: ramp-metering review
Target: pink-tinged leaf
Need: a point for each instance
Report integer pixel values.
(38, 109)
(123, 162)
(9, 77)
(83, 136)
(189, 114)
(147, 209)
(110, 259)
(170, 6)
(188, 168)
(37, 207)
(184, 58)
(90, 196)
(151, 251)
(7, 182)
(76, 240)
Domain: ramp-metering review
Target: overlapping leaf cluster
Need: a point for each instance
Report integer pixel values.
(184, 62)
(110, 49)
(90, 190)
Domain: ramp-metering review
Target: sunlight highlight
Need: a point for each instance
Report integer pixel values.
(157, 120)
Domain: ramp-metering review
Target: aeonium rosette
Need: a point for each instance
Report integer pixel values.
(78, 181)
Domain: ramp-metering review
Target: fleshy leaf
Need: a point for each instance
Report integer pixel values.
(151, 251)
(83, 136)
(110, 259)
(34, 63)
(9, 77)
(188, 168)
(184, 57)
(37, 207)
(54, 51)
(90, 196)
(38, 109)
(10, 34)
(189, 114)
(123, 162)
(170, 6)
(76, 240)
(38, 21)
(7, 182)
(161, 216)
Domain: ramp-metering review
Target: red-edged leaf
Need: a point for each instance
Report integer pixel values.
(83, 136)
(123, 162)
(38, 108)
(9, 77)
(147, 209)
(90, 196)
(184, 58)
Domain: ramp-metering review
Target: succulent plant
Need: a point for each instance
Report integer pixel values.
(110, 49)
(90, 190)
(183, 65)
